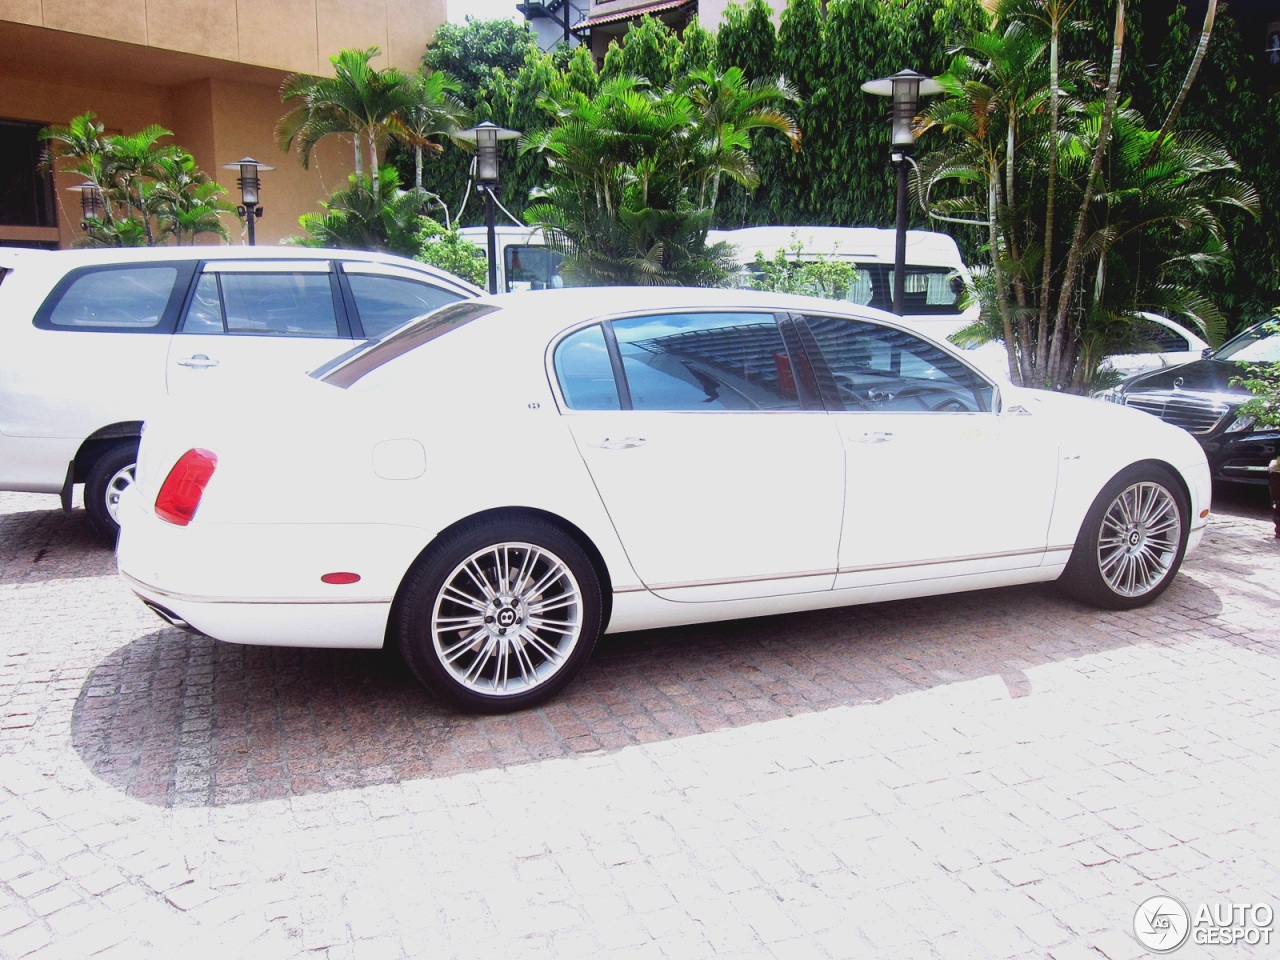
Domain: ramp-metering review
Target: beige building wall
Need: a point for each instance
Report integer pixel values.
(209, 70)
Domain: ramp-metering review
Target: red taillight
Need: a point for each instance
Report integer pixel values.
(184, 486)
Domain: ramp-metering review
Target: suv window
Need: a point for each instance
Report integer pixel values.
(706, 361)
(132, 298)
(386, 302)
(532, 267)
(294, 304)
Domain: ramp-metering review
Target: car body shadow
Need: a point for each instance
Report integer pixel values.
(178, 720)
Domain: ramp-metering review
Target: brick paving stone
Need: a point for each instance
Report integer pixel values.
(998, 774)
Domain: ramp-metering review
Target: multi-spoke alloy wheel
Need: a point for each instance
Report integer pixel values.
(500, 615)
(1132, 541)
(1141, 533)
(507, 619)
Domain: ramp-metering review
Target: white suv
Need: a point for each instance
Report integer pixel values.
(91, 339)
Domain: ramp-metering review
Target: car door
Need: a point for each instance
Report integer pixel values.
(938, 482)
(94, 352)
(704, 437)
(247, 319)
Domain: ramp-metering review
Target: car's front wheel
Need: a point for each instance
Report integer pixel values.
(500, 614)
(1132, 541)
(110, 475)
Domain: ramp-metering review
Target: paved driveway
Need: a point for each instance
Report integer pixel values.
(990, 775)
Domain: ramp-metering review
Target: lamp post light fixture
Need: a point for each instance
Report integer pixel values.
(90, 202)
(486, 136)
(249, 210)
(906, 87)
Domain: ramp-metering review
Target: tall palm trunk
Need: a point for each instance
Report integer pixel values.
(1202, 48)
(1056, 367)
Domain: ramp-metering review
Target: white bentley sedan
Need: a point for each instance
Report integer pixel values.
(492, 486)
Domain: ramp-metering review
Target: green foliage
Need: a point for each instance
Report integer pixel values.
(633, 172)
(368, 217)
(476, 52)
(449, 250)
(1263, 381)
(150, 191)
(651, 50)
(1138, 217)
(793, 271)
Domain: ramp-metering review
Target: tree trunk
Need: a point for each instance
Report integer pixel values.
(1202, 48)
(1075, 254)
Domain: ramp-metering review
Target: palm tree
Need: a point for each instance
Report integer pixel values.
(730, 109)
(358, 100)
(433, 111)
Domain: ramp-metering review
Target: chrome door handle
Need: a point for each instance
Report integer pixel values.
(200, 362)
(879, 436)
(622, 443)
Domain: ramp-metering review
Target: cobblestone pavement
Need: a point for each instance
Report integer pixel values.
(1003, 774)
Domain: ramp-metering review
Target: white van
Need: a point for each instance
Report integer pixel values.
(935, 272)
(525, 261)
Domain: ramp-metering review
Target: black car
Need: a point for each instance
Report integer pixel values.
(1200, 398)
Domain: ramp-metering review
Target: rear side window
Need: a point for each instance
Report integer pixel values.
(384, 303)
(133, 298)
(263, 304)
(585, 371)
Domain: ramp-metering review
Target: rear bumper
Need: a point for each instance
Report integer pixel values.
(261, 583)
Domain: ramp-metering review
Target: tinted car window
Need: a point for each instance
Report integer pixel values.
(585, 371)
(274, 304)
(532, 267)
(1152, 337)
(132, 298)
(881, 368)
(384, 303)
(706, 361)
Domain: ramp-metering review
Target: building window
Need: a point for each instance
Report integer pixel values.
(26, 191)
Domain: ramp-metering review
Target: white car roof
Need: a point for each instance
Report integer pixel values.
(64, 260)
(866, 244)
(554, 310)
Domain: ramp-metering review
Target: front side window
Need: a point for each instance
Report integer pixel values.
(884, 369)
(132, 298)
(706, 361)
(263, 304)
(384, 303)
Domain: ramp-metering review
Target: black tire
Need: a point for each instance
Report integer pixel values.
(109, 475)
(1132, 541)
(471, 622)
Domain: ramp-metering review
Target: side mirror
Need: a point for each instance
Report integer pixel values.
(1206, 353)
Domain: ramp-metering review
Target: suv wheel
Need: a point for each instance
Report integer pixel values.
(109, 476)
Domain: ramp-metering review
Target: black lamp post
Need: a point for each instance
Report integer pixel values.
(249, 210)
(486, 136)
(90, 202)
(906, 88)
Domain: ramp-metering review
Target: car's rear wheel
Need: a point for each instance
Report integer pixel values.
(1132, 541)
(500, 614)
(110, 475)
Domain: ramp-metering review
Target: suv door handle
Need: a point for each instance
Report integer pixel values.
(622, 443)
(878, 436)
(200, 362)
